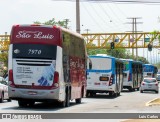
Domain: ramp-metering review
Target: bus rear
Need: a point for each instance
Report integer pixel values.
(127, 74)
(36, 66)
(148, 70)
(100, 75)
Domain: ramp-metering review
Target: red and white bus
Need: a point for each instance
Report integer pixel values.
(46, 63)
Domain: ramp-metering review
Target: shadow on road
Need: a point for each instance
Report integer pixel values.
(102, 96)
(149, 92)
(41, 106)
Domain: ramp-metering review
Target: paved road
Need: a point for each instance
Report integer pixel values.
(127, 102)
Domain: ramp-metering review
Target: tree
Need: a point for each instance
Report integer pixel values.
(116, 52)
(142, 59)
(53, 22)
(4, 59)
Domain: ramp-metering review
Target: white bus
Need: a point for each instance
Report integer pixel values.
(104, 75)
(132, 74)
(46, 63)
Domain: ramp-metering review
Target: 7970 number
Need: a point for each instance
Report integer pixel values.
(34, 52)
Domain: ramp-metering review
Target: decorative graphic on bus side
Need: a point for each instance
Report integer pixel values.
(47, 76)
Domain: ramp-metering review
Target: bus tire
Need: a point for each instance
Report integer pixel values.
(22, 103)
(141, 91)
(130, 89)
(137, 89)
(31, 103)
(87, 94)
(2, 98)
(67, 99)
(118, 93)
(92, 94)
(78, 101)
(63, 103)
(115, 94)
(9, 100)
(110, 94)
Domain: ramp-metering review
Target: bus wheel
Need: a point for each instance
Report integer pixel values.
(137, 89)
(92, 94)
(31, 103)
(22, 103)
(67, 99)
(9, 100)
(63, 103)
(115, 94)
(118, 93)
(78, 101)
(111, 94)
(2, 98)
(130, 89)
(87, 94)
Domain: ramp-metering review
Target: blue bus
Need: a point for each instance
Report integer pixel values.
(149, 70)
(104, 75)
(132, 74)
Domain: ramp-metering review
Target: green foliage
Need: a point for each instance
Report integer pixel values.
(96, 51)
(154, 33)
(53, 22)
(142, 59)
(116, 52)
(4, 59)
(157, 65)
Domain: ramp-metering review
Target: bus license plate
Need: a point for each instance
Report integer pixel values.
(32, 92)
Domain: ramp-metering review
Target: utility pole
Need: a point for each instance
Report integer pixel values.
(66, 23)
(77, 16)
(87, 30)
(134, 31)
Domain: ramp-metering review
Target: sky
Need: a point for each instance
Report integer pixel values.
(95, 16)
(98, 17)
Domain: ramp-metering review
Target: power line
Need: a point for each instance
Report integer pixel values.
(116, 25)
(117, 1)
(134, 30)
(93, 19)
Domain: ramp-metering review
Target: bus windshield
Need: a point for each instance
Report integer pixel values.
(101, 63)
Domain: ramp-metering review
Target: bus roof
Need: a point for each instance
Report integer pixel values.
(71, 32)
(43, 34)
(148, 64)
(98, 56)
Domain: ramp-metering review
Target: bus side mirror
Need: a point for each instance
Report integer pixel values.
(90, 65)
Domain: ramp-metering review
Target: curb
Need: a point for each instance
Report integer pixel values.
(155, 101)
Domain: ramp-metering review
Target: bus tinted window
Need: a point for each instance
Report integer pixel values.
(36, 51)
